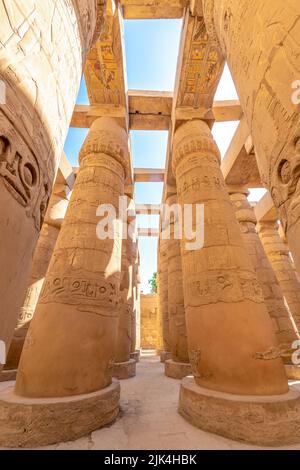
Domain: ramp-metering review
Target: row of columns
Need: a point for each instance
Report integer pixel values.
(83, 331)
(43, 48)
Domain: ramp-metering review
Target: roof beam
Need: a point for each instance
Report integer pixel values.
(147, 209)
(239, 166)
(149, 175)
(148, 232)
(265, 210)
(146, 116)
(153, 9)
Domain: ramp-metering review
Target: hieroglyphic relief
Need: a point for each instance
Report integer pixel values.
(104, 69)
(80, 291)
(202, 68)
(24, 179)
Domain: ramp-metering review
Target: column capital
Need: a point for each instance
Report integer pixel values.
(108, 137)
(192, 138)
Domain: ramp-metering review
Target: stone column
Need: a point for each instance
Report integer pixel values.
(260, 41)
(283, 324)
(70, 346)
(278, 254)
(43, 47)
(124, 366)
(163, 298)
(178, 366)
(48, 236)
(232, 345)
(136, 301)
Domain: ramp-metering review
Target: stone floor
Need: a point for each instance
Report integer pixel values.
(149, 418)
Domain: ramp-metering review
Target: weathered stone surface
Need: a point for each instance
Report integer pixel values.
(48, 236)
(136, 355)
(278, 255)
(43, 47)
(79, 300)
(165, 356)
(162, 290)
(124, 370)
(177, 370)
(268, 421)
(220, 287)
(8, 375)
(126, 305)
(283, 324)
(149, 314)
(263, 59)
(32, 422)
(176, 311)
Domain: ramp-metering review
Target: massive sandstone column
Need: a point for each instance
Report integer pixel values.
(232, 345)
(260, 41)
(70, 346)
(163, 297)
(124, 366)
(138, 297)
(43, 47)
(48, 236)
(136, 336)
(178, 366)
(278, 254)
(283, 324)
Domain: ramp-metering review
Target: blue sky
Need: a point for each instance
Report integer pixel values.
(151, 59)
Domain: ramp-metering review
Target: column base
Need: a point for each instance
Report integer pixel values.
(8, 375)
(165, 355)
(292, 371)
(177, 370)
(136, 355)
(35, 422)
(124, 370)
(261, 420)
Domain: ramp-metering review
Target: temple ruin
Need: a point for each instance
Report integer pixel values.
(223, 329)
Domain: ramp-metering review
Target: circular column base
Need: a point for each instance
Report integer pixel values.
(124, 370)
(261, 420)
(292, 371)
(177, 370)
(136, 355)
(34, 422)
(165, 355)
(8, 375)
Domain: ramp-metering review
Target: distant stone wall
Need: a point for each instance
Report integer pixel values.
(149, 321)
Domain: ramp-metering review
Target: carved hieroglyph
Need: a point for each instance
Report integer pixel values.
(104, 76)
(70, 345)
(261, 43)
(278, 254)
(202, 67)
(163, 292)
(177, 323)
(283, 324)
(229, 329)
(48, 236)
(43, 46)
